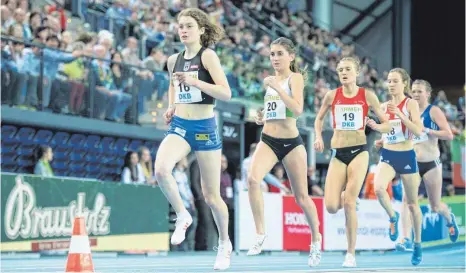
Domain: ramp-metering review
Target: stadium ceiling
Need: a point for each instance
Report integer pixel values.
(357, 16)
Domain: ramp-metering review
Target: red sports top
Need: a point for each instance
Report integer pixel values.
(349, 113)
(399, 132)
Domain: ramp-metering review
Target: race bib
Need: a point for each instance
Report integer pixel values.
(274, 107)
(349, 117)
(396, 134)
(187, 94)
(418, 139)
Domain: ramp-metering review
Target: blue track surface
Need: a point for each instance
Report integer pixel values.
(450, 259)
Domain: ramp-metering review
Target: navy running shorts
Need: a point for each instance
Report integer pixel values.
(403, 162)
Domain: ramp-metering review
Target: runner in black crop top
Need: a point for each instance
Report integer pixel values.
(194, 65)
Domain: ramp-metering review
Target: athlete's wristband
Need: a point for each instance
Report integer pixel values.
(427, 130)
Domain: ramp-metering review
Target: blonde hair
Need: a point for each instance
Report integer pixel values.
(355, 60)
(291, 48)
(426, 85)
(146, 166)
(212, 33)
(405, 77)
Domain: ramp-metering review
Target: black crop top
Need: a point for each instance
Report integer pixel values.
(191, 94)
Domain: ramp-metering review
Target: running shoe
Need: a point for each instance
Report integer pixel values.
(182, 223)
(405, 245)
(393, 231)
(453, 228)
(256, 249)
(350, 260)
(224, 250)
(416, 259)
(315, 253)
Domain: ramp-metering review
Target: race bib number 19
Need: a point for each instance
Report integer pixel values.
(349, 117)
(187, 94)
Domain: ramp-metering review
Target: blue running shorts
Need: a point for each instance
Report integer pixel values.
(201, 135)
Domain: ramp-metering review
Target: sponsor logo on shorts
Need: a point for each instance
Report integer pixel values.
(202, 137)
(354, 151)
(181, 132)
(286, 145)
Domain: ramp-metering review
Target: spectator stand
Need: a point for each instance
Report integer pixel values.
(126, 102)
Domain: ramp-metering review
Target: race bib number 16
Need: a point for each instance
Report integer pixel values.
(185, 93)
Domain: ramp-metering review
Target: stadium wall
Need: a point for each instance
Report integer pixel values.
(378, 41)
(37, 214)
(288, 230)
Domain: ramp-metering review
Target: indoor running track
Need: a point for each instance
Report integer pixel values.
(450, 259)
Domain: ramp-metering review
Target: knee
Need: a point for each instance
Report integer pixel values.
(349, 203)
(413, 206)
(211, 199)
(332, 207)
(302, 200)
(253, 182)
(379, 191)
(162, 172)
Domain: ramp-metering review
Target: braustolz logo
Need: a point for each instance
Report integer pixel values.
(25, 219)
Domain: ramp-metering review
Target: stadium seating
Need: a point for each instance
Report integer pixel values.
(75, 155)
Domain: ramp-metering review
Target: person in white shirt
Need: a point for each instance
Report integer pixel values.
(132, 170)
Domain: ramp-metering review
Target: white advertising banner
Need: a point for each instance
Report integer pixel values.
(273, 211)
(373, 225)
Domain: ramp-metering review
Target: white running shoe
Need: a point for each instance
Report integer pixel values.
(224, 250)
(315, 254)
(256, 249)
(181, 225)
(350, 260)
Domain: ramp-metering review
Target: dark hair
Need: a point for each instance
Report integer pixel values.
(127, 164)
(34, 13)
(291, 48)
(40, 151)
(113, 56)
(54, 37)
(212, 33)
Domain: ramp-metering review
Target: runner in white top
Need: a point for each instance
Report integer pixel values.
(280, 141)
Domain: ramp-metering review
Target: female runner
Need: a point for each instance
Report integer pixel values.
(430, 167)
(280, 141)
(197, 80)
(397, 155)
(348, 166)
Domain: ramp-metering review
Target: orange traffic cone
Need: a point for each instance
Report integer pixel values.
(79, 254)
